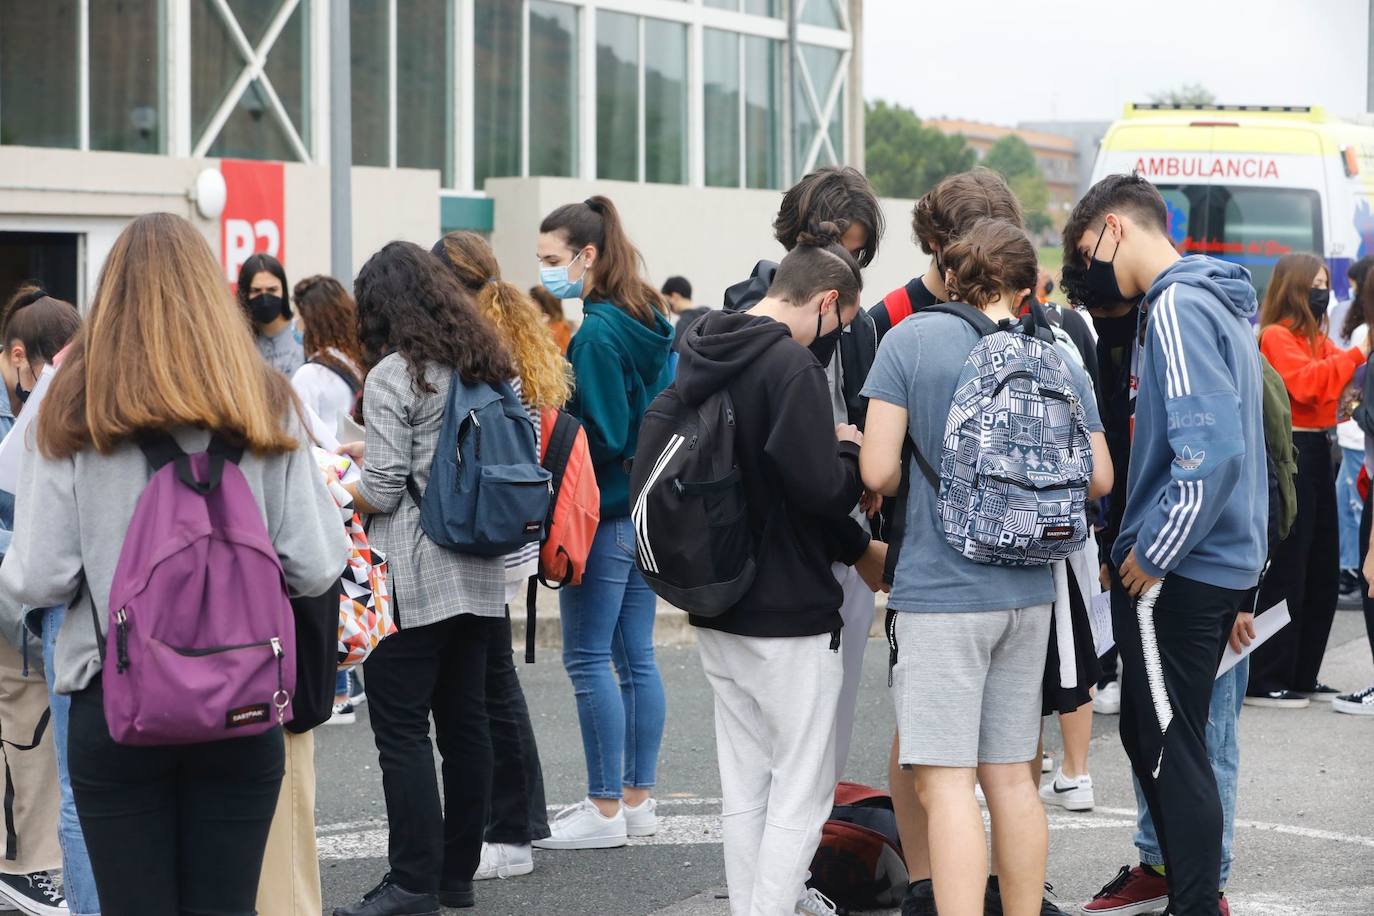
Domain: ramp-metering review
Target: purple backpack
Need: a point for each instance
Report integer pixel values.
(201, 636)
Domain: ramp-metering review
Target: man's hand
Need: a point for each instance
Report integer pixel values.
(848, 432)
(870, 566)
(1135, 579)
(353, 450)
(870, 503)
(1243, 633)
(1104, 578)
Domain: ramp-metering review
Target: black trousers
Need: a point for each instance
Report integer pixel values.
(519, 812)
(177, 830)
(1365, 523)
(1306, 572)
(439, 669)
(1164, 730)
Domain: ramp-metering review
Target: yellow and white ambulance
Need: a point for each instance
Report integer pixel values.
(1251, 183)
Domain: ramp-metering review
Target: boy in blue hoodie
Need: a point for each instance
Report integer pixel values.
(1193, 535)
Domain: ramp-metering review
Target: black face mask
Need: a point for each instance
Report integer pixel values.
(20, 392)
(1099, 280)
(1319, 300)
(265, 308)
(823, 347)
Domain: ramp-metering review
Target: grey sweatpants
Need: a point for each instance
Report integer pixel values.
(775, 744)
(859, 606)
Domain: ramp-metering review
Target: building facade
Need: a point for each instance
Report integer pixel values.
(478, 114)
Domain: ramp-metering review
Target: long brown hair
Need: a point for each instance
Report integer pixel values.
(617, 275)
(1285, 301)
(1361, 310)
(545, 376)
(331, 325)
(410, 303)
(164, 345)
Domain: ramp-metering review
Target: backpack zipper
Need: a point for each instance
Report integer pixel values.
(281, 698)
(121, 641)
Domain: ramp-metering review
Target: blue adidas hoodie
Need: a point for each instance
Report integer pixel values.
(1197, 498)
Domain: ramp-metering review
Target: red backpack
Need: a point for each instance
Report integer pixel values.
(859, 863)
(574, 510)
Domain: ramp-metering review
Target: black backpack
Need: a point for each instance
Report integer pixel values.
(692, 539)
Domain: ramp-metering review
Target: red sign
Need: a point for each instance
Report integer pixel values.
(254, 217)
(1207, 167)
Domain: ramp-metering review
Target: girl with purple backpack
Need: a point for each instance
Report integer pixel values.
(166, 356)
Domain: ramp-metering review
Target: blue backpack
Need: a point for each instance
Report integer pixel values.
(487, 494)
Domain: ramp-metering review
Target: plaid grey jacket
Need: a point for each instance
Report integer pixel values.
(428, 583)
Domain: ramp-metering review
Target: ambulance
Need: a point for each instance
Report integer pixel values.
(1249, 184)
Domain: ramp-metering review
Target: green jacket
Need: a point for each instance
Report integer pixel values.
(620, 365)
(1278, 442)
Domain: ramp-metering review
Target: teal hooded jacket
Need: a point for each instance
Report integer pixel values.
(620, 365)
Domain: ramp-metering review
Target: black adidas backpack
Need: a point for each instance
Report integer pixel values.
(692, 539)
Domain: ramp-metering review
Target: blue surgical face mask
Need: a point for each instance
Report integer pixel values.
(555, 280)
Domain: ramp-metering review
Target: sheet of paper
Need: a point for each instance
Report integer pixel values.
(1266, 625)
(1100, 616)
(348, 431)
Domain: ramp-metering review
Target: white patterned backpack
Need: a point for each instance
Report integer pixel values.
(1016, 459)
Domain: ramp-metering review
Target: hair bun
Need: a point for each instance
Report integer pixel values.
(821, 235)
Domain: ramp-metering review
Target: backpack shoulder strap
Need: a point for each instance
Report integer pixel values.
(970, 315)
(348, 379)
(559, 449)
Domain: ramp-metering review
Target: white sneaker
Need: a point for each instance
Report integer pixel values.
(641, 819)
(1070, 794)
(582, 826)
(344, 714)
(1108, 700)
(504, 860)
(816, 904)
(978, 794)
(1046, 763)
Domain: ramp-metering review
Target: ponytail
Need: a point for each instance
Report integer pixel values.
(545, 376)
(616, 276)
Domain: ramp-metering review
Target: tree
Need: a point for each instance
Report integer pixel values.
(1189, 95)
(1014, 160)
(904, 158)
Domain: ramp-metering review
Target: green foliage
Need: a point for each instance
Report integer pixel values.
(1189, 95)
(1014, 159)
(903, 157)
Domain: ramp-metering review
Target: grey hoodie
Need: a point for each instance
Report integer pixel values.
(71, 514)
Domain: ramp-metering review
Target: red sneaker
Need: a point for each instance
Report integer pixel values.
(1133, 892)
(1225, 906)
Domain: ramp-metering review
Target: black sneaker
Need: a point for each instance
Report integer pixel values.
(1356, 704)
(919, 899)
(992, 900)
(35, 893)
(390, 899)
(1278, 699)
(1350, 583)
(1321, 693)
(460, 896)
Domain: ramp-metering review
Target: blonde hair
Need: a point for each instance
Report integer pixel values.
(546, 378)
(164, 345)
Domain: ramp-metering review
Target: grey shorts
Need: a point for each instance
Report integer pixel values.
(967, 685)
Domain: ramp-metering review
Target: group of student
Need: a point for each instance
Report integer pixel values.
(850, 471)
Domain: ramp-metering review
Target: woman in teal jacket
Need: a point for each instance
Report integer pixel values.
(620, 359)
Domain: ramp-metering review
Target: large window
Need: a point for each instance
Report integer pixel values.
(553, 110)
(369, 32)
(40, 79)
(265, 119)
(641, 99)
(813, 90)
(743, 129)
(772, 8)
(497, 82)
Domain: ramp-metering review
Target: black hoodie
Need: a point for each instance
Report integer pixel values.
(800, 483)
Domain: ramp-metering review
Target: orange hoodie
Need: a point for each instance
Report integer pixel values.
(1314, 382)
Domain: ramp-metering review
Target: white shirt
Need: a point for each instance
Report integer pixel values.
(322, 390)
(1349, 434)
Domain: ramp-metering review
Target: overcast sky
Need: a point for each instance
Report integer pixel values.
(1006, 61)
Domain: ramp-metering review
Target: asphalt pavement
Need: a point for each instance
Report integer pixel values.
(1304, 836)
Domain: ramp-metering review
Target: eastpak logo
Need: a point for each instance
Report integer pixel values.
(246, 715)
(1058, 533)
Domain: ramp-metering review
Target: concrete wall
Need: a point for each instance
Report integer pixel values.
(712, 236)
(95, 194)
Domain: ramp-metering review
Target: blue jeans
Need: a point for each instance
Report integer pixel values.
(77, 877)
(1223, 750)
(609, 619)
(1349, 506)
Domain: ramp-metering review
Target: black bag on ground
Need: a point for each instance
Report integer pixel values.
(692, 539)
(859, 864)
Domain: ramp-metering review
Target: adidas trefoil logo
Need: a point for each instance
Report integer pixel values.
(1189, 460)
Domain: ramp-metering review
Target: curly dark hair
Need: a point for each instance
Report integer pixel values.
(833, 194)
(331, 325)
(1128, 193)
(948, 210)
(410, 303)
(992, 258)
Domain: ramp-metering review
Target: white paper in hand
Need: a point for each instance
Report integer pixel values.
(1266, 625)
(1100, 616)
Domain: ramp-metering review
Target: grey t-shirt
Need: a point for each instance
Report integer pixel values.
(917, 368)
(282, 350)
